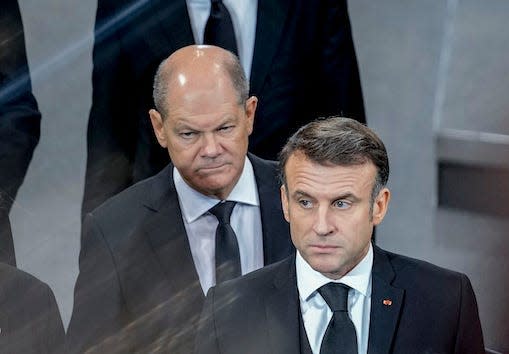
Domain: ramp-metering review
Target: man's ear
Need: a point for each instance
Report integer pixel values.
(380, 205)
(251, 104)
(284, 202)
(158, 125)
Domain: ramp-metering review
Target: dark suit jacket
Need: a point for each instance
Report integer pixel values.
(19, 118)
(433, 311)
(304, 65)
(29, 317)
(138, 289)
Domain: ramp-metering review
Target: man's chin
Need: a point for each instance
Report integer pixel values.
(327, 265)
(212, 185)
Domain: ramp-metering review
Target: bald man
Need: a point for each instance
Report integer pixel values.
(148, 254)
(298, 56)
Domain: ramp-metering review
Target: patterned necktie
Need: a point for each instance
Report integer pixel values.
(219, 28)
(340, 335)
(227, 248)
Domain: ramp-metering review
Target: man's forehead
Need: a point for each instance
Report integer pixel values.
(204, 103)
(300, 168)
(299, 157)
(194, 78)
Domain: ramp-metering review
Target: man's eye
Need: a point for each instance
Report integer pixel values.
(187, 135)
(226, 128)
(342, 204)
(305, 203)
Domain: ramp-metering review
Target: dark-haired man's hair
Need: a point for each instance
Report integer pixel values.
(338, 141)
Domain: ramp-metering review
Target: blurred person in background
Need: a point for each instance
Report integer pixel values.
(19, 119)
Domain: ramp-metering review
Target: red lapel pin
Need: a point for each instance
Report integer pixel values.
(387, 302)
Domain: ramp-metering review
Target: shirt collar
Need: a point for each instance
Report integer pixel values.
(309, 280)
(194, 204)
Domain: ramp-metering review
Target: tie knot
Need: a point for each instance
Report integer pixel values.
(222, 211)
(336, 296)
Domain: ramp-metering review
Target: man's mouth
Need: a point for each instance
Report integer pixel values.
(211, 168)
(323, 248)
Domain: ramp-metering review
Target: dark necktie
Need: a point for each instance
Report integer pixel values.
(219, 28)
(227, 248)
(340, 335)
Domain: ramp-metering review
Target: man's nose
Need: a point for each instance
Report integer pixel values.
(322, 222)
(211, 145)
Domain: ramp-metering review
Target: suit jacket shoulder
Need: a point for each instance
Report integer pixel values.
(405, 266)
(256, 313)
(258, 281)
(122, 213)
(29, 317)
(420, 307)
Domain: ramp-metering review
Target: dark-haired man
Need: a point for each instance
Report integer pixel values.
(340, 293)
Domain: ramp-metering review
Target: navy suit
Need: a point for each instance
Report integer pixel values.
(138, 289)
(304, 65)
(432, 310)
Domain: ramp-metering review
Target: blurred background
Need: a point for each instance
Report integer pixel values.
(435, 77)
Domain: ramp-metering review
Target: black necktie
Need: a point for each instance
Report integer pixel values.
(227, 248)
(340, 336)
(219, 28)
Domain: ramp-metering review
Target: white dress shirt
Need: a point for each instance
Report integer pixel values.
(201, 225)
(243, 14)
(315, 312)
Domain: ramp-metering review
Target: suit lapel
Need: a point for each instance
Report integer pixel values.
(167, 236)
(164, 297)
(386, 304)
(276, 236)
(282, 311)
(269, 26)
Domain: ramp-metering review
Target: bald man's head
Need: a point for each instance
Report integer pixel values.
(204, 117)
(196, 67)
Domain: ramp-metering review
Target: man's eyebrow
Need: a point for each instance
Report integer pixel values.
(347, 195)
(299, 193)
(184, 124)
(180, 124)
